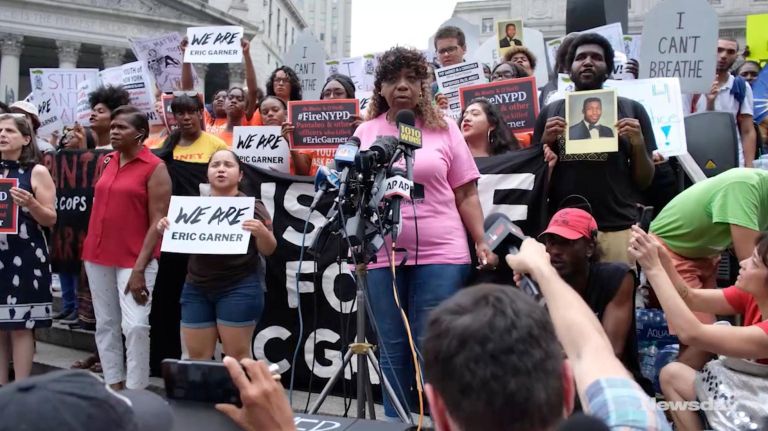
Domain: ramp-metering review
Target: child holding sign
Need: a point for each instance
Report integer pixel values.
(223, 296)
(274, 112)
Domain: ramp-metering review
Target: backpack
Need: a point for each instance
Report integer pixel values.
(739, 90)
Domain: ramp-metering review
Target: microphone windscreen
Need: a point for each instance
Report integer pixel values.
(406, 116)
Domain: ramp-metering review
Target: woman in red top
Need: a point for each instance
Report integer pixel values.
(716, 381)
(121, 249)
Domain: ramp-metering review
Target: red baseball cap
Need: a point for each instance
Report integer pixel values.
(571, 223)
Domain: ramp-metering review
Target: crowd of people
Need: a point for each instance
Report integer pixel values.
(484, 357)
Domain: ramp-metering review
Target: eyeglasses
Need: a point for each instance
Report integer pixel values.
(281, 81)
(498, 76)
(447, 50)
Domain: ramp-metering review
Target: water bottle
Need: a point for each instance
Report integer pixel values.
(666, 355)
(647, 362)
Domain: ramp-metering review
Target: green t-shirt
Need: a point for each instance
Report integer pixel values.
(696, 223)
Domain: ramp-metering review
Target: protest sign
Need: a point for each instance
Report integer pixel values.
(262, 146)
(632, 43)
(760, 93)
(112, 76)
(220, 44)
(534, 40)
(208, 225)
(516, 99)
(552, 47)
(83, 111)
(322, 125)
(471, 34)
(613, 33)
(680, 41)
(451, 78)
(50, 120)
(364, 97)
(488, 52)
(509, 33)
(757, 37)
(164, 58)
(360, 69)
(663, 102)
(136, 80)
(9, 211)
(307, 58)
(61, 87)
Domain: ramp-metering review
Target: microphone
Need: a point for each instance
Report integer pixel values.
(409, 138)
(501, 234)
(344, 159)
(325, 180)
(381, 152)
(396, 188)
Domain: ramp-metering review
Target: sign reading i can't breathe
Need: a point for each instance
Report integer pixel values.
(208, 225)
(9, 211)
(214, 45)
(680, 40)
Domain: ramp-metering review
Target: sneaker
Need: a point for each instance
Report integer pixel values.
(70, 318)
(62, 314)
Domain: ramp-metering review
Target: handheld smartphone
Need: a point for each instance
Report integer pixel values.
(644, 217)
(202, 381)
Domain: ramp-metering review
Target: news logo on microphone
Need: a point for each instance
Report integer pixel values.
(397, 185)
(409, 135)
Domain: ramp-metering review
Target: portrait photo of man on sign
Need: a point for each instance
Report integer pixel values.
(591, 121)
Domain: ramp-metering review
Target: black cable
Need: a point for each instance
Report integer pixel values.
(314, 338)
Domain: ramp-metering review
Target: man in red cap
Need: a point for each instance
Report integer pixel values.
(607, 287)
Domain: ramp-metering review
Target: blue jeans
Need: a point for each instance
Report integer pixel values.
(420, 289)
(236, 306)
(69, 282)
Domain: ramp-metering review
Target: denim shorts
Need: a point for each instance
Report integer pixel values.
(239, 305)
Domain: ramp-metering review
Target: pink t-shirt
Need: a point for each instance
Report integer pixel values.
(442, 164)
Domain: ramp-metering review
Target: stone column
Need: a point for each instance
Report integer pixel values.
(112, 56)
(236, 75)
(68, 53)
(10, 46)
(201, 69)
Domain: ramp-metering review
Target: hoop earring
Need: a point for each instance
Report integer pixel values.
(490, 138)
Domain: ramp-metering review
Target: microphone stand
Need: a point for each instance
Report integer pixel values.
(360, 348)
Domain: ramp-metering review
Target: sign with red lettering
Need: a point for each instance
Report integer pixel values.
(9, 211)
(322, 125)
(516, 99)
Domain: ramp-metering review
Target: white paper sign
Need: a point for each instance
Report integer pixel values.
(219, 44)
(662, 100)
(136, 80)
(83, 112)
(112, 76)
(50, 120)
(552, 47)
(534, 40)
(61, 86)
(262, 146)
(208, 225)
(451, 78)
(680, 40)
(613, 33)
(632, 43)
(364, 97)
(488, 52)
(164, 58)
(307, 58)
(360, 69)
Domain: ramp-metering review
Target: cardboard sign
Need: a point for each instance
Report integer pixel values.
(262, 146)
(220, 44)
(307, 58)
(208, 225)
(9, 211)
(164, 58)
(451, 78)
(757, 37)
(591, 118)
(360, 69)
(680, 40)
(61, 87)
(517, 100)
(322, 125)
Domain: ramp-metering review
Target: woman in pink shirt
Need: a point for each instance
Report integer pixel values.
(445, 206)
(121, 249)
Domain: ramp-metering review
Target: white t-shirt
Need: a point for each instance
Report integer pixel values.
(726, 102)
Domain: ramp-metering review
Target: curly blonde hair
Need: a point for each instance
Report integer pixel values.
(391, 63)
